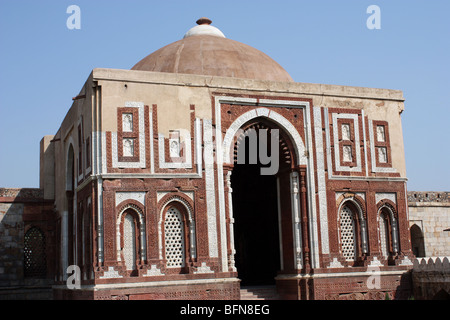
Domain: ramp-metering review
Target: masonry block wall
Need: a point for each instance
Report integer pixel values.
(429, 213)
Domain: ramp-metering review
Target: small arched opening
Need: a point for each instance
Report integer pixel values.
(417, 241)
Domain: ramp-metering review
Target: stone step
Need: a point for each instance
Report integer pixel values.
(259, 293)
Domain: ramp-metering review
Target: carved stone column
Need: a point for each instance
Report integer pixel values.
(229, 198)
(296, 219)
(304, 217)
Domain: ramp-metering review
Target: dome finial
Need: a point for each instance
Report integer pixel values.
(204, 21)
(205, 28)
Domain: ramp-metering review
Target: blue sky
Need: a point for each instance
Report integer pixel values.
(43, 64)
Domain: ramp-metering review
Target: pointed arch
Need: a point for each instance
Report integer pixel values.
(282, 122)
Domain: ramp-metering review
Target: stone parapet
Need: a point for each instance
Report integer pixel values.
(431, 278)
(428, 198)
(432, 264)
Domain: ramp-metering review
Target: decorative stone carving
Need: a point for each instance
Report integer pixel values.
(153, 271)
(174, 148)
(347, 231)
(381, 135)
(174, 239)
(322, 192)
(127, 122)
(111, 274)
(347, 150)
(382, 155)
(347, 154)
(345, 131)
(392, 196)
(374, 151)
(406, 262)
(203, 269)
(135, 195)
(335, 264)
(128, 147)
(375, 263)
(129, 242)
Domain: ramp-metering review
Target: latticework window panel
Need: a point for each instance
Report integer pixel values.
(384, 235)
(35, 262)
(347, 228)
(174, 239)
(129, 242)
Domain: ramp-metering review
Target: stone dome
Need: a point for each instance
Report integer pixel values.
(205, 50)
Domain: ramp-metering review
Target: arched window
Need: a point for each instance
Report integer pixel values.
(35, 261)
(348, 233)
(129, 242)
(174, 235)
(387, 232)
(353, 232)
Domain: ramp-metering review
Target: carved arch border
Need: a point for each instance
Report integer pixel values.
(360, 205)
(282, 122)
(289, 156)
(390, 205)
(358, 201)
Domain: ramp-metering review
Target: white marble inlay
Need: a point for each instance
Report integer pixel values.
(375, 263)
(128, 147)
(335, 264)
(174, 150)
(111, 274)
(203, 269)
(228, 140)
(382, 155)
(386, 195)
(127, 122)
(347, 154)
(139, 196)
(345, 128)
(115, 159)
(357, 156)
(153, 271)
(373, 153)
(381, 136)
(184, 138)
(321, 186)
(210, 188)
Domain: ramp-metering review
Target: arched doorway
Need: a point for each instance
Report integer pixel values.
(417, 241)
(261, 217)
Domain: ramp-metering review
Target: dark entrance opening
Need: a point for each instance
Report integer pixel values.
(256, 229)
(255, 225)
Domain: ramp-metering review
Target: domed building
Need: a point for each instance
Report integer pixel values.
(206, 169)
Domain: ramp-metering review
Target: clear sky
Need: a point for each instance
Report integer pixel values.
(43, 64)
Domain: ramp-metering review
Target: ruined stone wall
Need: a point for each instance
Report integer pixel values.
(20, 211)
